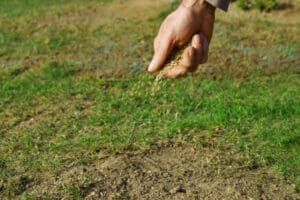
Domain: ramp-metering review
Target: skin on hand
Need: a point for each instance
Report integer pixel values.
(196, 54)
(190, 21)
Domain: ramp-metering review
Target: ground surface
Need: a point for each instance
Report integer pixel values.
(81, 119)
(171, 171)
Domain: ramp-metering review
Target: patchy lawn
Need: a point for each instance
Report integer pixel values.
(77, 108)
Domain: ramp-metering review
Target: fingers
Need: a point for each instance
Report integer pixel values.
(197, 53)
(194, 55)
(176, 72)
(183, 68)
(162, 49)
(200, 46)
(205, 48)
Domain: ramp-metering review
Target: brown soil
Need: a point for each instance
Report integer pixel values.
(170, 171)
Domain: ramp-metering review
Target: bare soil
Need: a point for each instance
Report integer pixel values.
(171, 171)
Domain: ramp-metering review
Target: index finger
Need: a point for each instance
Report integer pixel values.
(163, 46)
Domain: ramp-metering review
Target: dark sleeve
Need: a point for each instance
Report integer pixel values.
(222, 4)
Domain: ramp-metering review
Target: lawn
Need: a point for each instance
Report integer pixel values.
(73, 83)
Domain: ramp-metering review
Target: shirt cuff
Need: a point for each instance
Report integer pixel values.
(222, 4)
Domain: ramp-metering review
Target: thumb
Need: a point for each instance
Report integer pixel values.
(162, 49)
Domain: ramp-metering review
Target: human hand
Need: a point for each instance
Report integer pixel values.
(192, 56)
(194, 20)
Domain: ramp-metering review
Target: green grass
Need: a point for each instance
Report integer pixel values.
(15, 8)
(58, 105)
(263, 5)
(84, 115)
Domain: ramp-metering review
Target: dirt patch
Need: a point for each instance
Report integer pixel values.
(103, 14)
(169, 171)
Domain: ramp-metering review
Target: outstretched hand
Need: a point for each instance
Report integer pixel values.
(189, 22)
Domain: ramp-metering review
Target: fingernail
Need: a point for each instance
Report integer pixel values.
(151, 66)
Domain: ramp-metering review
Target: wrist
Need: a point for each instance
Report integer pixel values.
(199, 6)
